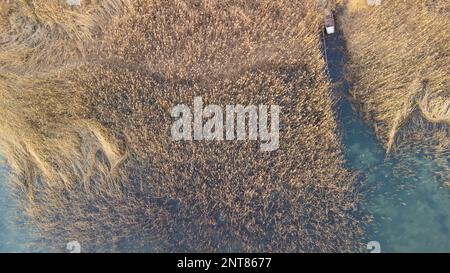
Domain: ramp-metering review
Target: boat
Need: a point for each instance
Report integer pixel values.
(330, 26)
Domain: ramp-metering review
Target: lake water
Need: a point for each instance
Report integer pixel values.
(12, 237)
(411, 212)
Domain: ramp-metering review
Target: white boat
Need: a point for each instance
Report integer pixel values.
(330, 26)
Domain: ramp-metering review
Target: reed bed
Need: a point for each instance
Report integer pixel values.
(87, 134)
(399, 69)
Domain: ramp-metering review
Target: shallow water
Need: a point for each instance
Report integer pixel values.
(411, 212)
(12, 237)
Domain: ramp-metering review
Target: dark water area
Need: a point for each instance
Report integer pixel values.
(411, 211)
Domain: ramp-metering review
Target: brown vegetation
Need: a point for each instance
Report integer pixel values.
(88, 138)
(399, 67)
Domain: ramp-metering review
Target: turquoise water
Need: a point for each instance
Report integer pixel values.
(12, 237)
(411, 212)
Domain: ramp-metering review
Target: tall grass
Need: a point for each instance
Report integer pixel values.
(88, 133)
(399, 67)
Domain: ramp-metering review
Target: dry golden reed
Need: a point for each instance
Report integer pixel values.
(399, 68)
(85, 126)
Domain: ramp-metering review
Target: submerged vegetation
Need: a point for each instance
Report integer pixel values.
(399, 69)
(85, 96)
